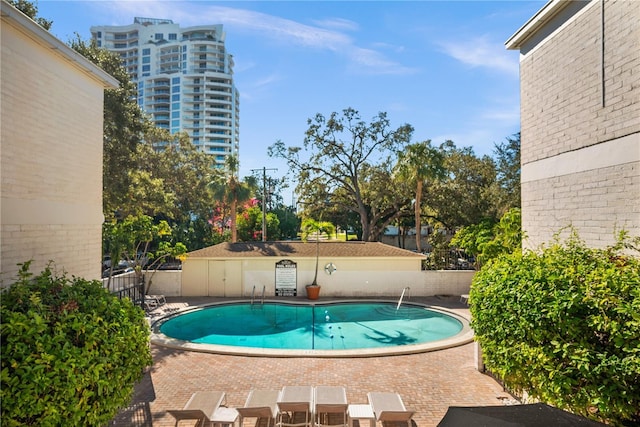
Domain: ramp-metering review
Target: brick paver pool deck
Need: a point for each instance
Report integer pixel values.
(428, 382)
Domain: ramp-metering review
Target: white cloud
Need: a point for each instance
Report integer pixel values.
(482, 52)
(338, 24)
(508, 115)
(373, 62)
(285, 31)
(253, 89)
(388, 46)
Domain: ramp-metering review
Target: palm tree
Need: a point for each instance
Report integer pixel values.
(231, 191)
(418, 163)
(309, 227)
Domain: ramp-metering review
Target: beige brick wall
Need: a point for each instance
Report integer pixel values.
(562, 82)
(51, 156)
(580, 117)
(598, 203)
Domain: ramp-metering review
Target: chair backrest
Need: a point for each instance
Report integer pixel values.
(294, 406)
(188, 414)
(395, 415)
(257, 412)
(333, 408)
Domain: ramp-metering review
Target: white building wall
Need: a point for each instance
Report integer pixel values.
(51, 152)
(365, 284)
(364, 277)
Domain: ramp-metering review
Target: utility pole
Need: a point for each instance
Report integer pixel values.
(264, 200)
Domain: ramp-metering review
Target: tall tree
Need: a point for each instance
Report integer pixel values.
(464, 196)
(250, 223)
(507, 156)
(418, 163)
(230, 191)
(288, 220)
(124, 127)
(141, 242)
(338, 149)
(183, 171)
(31, 10)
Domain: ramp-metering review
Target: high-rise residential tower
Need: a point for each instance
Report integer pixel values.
(184, 78)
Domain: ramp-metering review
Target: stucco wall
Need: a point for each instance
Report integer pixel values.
(165, 282)
(352, 278)
(51, 163)
(580, 114)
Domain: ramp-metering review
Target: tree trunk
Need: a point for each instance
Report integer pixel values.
(315, 277)
(418, 210)
(234, 231)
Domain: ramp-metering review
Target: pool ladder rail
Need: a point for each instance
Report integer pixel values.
(253, 294)
(402, 296)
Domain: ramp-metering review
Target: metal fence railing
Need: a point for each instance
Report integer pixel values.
(448, 260)
(127, 286)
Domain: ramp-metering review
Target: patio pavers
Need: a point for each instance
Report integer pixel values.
(428, 382)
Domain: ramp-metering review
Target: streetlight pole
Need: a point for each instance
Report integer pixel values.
(264, 200)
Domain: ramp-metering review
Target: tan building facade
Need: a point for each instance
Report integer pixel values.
(580, 120)
(345, 269)
(51, 152)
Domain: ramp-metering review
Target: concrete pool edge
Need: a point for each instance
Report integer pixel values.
(465, 336)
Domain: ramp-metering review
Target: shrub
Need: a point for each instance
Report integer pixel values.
(564, 326)
(487, 239)
(71, 352)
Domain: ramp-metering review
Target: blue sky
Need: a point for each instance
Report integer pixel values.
(440, 66)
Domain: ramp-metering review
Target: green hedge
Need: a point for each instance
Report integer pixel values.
(71, 352)
(564, 326)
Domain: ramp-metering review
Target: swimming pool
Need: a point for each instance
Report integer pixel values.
(345, 328)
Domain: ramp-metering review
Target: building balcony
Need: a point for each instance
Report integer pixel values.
(121, 37)
(171, 51)
(220, 109)
(165, 61)
(171, 70)
(197, 70)
(158, 102)
(213, 48)
(219, 87)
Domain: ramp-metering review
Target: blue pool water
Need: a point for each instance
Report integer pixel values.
(335, 326)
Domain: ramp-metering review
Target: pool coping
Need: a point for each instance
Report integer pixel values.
(463, 337)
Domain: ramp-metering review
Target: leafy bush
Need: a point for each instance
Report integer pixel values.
(487, 239)
(71, 352)
(564, 326)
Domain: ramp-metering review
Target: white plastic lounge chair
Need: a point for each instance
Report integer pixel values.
(330, 406)
(389, 408)
(201, 406)
(261, 404)
(154, 301)
(295, 406)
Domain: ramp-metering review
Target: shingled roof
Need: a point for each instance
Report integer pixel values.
(302, 249)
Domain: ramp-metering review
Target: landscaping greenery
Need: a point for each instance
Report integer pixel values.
(71, 352)
(563, 325)
(133, 238)
(311, 227)
(488, 239)
(345, 162)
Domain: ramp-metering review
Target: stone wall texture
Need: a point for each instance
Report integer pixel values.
(580, 114)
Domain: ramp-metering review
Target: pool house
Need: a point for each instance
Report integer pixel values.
(284, 268)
